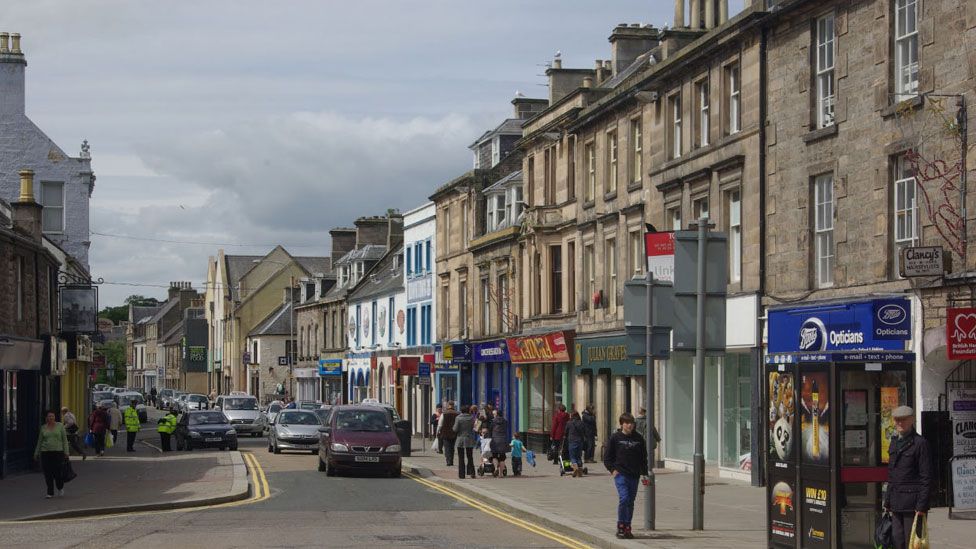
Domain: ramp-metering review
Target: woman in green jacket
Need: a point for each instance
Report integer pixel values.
(52, 450)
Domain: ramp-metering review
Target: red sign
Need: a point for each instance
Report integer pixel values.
(540, 348)
(409, 365)
(659, 248)
(961, 333)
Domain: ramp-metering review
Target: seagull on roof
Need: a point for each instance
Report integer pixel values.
(519, 94)
(559, 54)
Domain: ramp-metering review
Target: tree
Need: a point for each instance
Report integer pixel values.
(114, 352)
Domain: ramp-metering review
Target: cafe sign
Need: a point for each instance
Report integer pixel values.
(551, 347)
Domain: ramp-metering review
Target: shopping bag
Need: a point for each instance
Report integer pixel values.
(434, 446)
(67, 472)
(883, 538)
(89, 439)
(108, 441)
(920, 533)
(530, 457)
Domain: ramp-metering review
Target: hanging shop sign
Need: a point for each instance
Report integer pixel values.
(460, 353)
(922, 261)
(877, 324)
(491, 351)
(961, 333)
(79, 306)
(551, 347)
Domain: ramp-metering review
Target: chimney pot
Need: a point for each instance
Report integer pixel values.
(557, 63)
(587, 81)
(599, 64)
(607, 65)
(26, 186)
(15, 43)
(4, 42)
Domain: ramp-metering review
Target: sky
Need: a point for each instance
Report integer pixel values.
(244, 124)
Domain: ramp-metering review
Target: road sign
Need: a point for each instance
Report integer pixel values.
(423, 373)
(922, 261)
(686, 290)
(282, 361)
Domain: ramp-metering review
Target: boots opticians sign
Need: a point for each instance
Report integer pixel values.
(877, 324)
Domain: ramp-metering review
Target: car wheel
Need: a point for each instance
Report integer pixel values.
(179, 445)
(321, 464)
(396, 473)
(329, 470)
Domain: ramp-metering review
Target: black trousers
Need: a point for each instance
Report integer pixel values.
(448, 447)
(99, 439)
(465, 468)
(51, 465)
(75, 445)
(130, 439)
(517, 466)
(164, 442)
(589, 448)
(115, 435)
(901, 528)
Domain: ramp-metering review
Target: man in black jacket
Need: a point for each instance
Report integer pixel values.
(910, 477)
(626, 459)
(589, 422)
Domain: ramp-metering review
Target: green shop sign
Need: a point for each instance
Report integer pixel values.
(607, 353)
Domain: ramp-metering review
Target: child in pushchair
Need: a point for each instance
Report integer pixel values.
(487, 467)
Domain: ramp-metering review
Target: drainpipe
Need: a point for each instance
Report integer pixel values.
(758, 443)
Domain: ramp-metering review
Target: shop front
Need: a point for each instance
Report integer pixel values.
(330, 380)
(21, 385)
(453, 374)
(834, 372)
(415, 395)
(496, 381)
(385, 380)
(542, 364)
(608, 380)
(306, 383)
(357, 367)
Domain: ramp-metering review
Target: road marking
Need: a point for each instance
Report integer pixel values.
(260, 491)
(481, 506)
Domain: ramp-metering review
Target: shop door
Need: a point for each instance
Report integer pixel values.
(866, 399)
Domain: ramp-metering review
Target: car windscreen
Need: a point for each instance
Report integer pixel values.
(127, 399)
(197, 398)
(240, 404)
(363, 420)
(102, 395)
(207, 418)
(298, 418)
(323, 414)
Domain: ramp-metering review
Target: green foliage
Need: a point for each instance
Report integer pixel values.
(114, 352)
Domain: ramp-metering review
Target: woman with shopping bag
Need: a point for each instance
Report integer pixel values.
(52, 451)
(910, 481)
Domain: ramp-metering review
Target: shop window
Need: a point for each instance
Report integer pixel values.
(10, 401)
(736, 402)
(679, 427)
(545, 394)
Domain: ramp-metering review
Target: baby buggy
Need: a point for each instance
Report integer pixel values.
(565, 465)
(488, 468)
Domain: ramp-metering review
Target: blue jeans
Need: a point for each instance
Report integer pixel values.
(627, 492)
(576, 453)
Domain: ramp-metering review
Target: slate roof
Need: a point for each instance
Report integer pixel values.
(277, 323)
(167, 307)
(511, 126)
(382, 279)
(316, 264)
(174, 334)
(236, 266)
(141, 314)
(369, 252)
(510, 178)
(645, 59)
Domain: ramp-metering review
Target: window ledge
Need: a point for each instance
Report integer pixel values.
(822, 133)
(910, 104)
(635, 186)
(609, 196)
(589, 204)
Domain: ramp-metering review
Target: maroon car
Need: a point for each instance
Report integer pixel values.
(359, 438)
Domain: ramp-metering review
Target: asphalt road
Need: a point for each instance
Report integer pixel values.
(305, 509)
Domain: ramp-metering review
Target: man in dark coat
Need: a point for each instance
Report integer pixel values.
(589, 422)
(910, 477)
(446, 433)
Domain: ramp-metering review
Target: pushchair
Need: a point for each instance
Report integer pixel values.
(486, 467)
(565, 465)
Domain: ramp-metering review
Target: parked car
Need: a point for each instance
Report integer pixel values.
(99, 396)
(124, 399)
(101, 387)
(118, 390)
(163, 396)
(173, 402)
(294, 430)
(323, 413)
(195, 402)
(204, 429)
(237, 393)
(268, 414)
(308, 404)
(178, 403)
(243, 412)
(359, 438)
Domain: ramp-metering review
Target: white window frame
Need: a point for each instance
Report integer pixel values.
(485, 306)
(496, 151)
(675, 218)
(51, 211)
(905, 37)
(735, 235)
(610, 269)
(590, 151)
(699, 207)
(589, 270)
(823, 227)
(637, 148)
(735, 98)
(612, 162)
(516, 203)
(638, 256)
(826, 50)
(676, 125)
(905, 209)
(703, 112)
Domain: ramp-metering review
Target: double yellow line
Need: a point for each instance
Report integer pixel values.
(481, 506)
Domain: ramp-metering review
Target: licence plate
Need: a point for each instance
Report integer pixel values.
(367, 459)
(217, 439)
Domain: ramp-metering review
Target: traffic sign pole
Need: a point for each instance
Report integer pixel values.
(698, 497)
(649, 499)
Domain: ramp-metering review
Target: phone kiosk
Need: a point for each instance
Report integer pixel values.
(834, 372)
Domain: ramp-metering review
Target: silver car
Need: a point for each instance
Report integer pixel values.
(243, 412)
(195, 402)
(295, 430)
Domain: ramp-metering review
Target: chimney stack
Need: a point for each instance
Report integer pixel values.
(587, 81)
(26, 212)
(709, 15)
(557, 63)
(12, 65)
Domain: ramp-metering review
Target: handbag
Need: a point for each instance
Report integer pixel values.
(883, 537)
(108, 441)
(89, 439)
(920, 533)
(67, 472)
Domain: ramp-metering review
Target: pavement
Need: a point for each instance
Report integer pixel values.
(585, 508)
(126, 482)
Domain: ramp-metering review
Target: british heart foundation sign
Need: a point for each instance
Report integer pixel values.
(961, 333)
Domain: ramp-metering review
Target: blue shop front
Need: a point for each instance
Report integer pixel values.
(496, 379)
(834, 373)
(452, 374)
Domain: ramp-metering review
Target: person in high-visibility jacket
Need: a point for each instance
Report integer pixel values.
(131, 418)
(167, 425)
